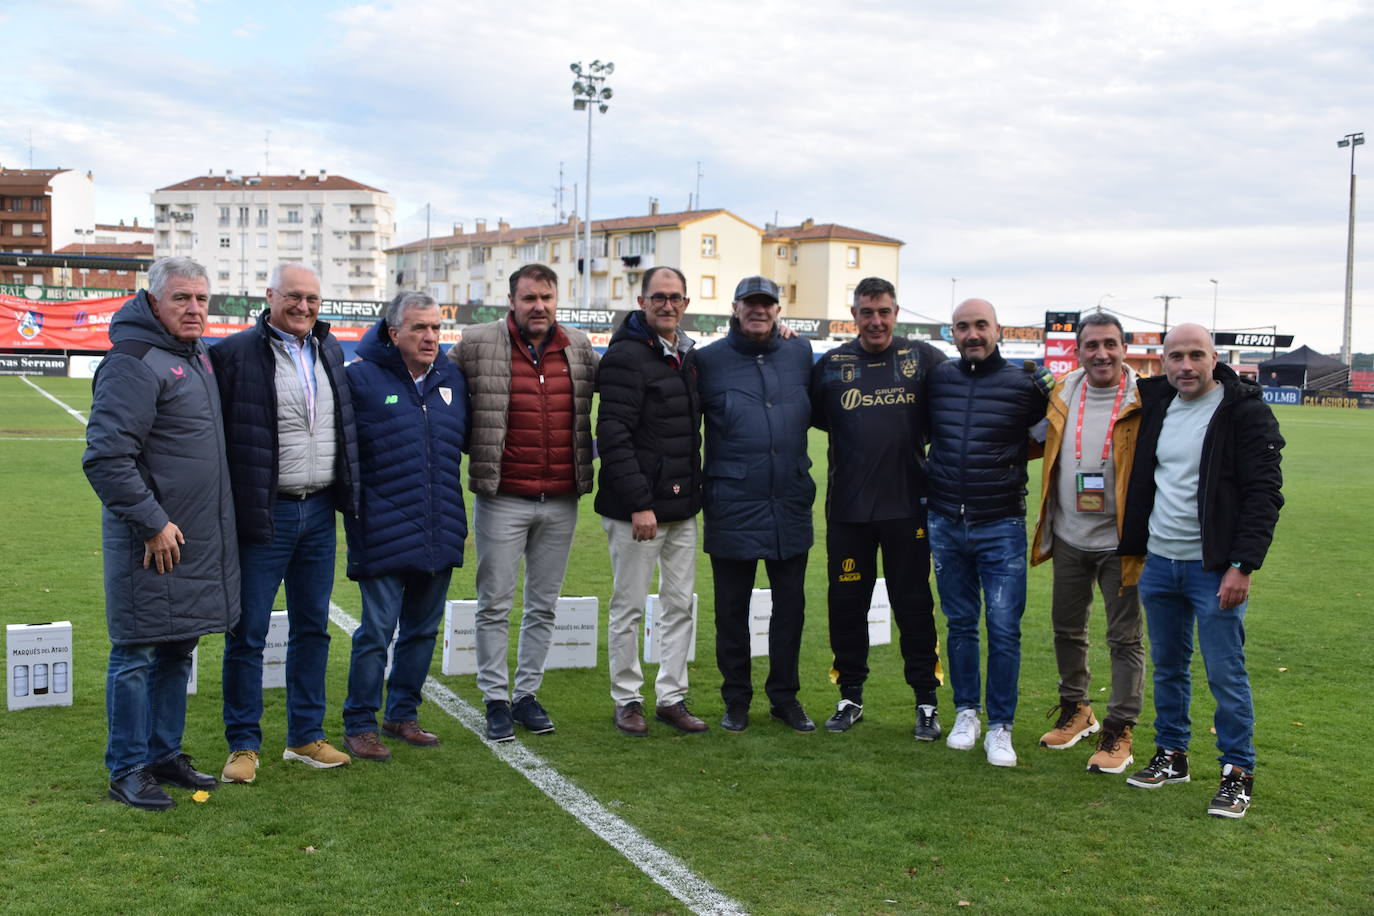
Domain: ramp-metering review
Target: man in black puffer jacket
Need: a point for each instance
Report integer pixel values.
(648, 432)
(981, 412)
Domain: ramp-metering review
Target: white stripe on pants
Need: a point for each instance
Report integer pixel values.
(508, 528)
(674, 551)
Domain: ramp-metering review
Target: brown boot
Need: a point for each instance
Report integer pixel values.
(367, 746)
(1075, 723)
(411, 733)
(679, 717)
(1113, 749)
(630, 719)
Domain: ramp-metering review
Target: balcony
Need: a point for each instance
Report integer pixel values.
(600, 265)
(362, 221)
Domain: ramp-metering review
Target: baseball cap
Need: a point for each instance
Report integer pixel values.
(756, 286)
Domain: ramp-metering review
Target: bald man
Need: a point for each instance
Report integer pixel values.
(981, 411)
(1204, 496)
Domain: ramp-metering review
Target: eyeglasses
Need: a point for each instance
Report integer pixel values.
(660, 299)
(295, 298)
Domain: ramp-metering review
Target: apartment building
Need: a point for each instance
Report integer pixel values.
(239, 226)
(40, 211)
(103, 278)
(816, 266)
(122, 234)
(819, 264)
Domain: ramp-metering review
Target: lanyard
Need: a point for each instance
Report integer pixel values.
(1111, 423)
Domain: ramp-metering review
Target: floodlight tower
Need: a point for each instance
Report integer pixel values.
(589, 93)
(1352, 141)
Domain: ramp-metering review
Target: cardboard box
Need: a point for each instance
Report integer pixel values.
(274, 652)
(760, 616)
(38, 667)
(880, 616)
(574, 633)
(460, 637)
(651, 646)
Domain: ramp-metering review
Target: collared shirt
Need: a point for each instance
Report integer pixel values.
(303, 357)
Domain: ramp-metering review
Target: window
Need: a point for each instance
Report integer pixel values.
(262, 216)
(37, 228)
(635, 243)
(555, 252)
(527, 252)
(224, 216)
(617, 287)
(782, 252)
(851, 256)
(16, 228)
(792, 292)
(38, 204)
(243, 216)
(262, 239)
(293, 214)
(261, 276)
(224, 241)
(37, 279)
(708, 284)
(708, 249)
(224, 276)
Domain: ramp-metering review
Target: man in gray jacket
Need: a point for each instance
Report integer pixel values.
(155, 457)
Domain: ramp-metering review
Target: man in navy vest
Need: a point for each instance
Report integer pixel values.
(411, 410)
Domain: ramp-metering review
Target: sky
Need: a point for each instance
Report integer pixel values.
(1043, 156)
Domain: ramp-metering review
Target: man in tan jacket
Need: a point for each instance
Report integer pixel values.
(1093, 417)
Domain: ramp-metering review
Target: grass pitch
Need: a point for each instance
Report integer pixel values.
(866, 822)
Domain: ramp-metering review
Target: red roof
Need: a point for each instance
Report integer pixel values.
(109, 227)
(270, 183)
(115, 249)
(516, 234)
(28, 177)
(828, 231)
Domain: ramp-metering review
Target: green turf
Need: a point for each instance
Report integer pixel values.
(867, 822)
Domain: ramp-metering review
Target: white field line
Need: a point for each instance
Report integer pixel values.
(666, 870)
(39, 439)
(80, 419)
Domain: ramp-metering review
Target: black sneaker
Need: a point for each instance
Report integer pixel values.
(846, 714)
(530, 714)
(140, 790)
(500, 727)
(794, 717)
(927, 723)
(736, 718)
(1164, 767)
(177, 771)
(1233, 795)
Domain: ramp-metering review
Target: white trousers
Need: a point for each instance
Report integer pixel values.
(674, 551)
(508, 528)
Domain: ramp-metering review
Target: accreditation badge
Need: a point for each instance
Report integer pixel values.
(1090, 488)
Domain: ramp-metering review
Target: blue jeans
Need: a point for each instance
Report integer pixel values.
(415, 600)
(145, 703)
(1175, 593)
(301, 554)
(991, 556)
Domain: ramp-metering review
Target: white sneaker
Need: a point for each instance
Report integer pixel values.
(998, 747)
(964, 735)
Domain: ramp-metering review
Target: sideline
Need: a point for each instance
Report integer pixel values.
(666, 870)
(80, 419)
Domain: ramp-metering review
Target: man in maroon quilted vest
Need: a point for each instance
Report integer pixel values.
(531, 381)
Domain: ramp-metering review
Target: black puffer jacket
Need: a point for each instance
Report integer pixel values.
(980, 418)
(648, 428)
(247, 371)
(1239, 481)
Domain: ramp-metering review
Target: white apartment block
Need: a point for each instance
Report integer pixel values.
(239, 226)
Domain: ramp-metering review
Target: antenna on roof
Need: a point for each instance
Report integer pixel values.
(30, 147)
(267, 153)
(698, 194)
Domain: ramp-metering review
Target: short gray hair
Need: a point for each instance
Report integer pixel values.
(164, 269)
(275, 281)
(404, 301)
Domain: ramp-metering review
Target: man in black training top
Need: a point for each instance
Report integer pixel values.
(869, 395)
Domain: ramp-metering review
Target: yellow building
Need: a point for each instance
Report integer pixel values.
(817, 265)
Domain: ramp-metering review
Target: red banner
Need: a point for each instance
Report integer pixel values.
(80, 325)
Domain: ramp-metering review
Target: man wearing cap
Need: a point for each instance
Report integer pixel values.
(758, 496)
(870, 396)
(648, 431)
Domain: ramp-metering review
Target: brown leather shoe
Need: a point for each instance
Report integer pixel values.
(411, 733)
(367, 746)
(679, 717)
(630, 719)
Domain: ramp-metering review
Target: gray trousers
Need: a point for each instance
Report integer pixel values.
(508, 528)
(1075, 571)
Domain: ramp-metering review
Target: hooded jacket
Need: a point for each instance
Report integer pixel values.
(246, 371)
(980, 417)
(1239, 481)
(759, 491)
(411, 516)
(648, 426)
(154, 454)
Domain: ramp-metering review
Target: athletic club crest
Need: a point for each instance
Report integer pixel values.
(677, 488)
(31, 325)
(907, 365)
(446, 394)
(847, 373)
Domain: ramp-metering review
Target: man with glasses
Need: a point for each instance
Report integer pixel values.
(293, 460)
(648, 434)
